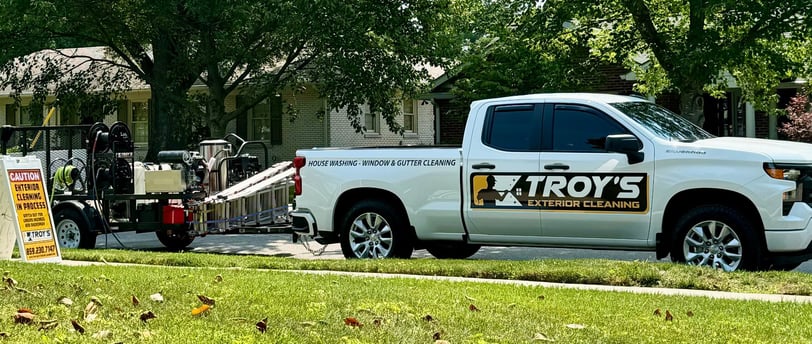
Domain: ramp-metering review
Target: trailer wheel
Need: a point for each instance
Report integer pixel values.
(452, 250)
(73, 230)
(173, 239)
(717, 236)
(374, 230)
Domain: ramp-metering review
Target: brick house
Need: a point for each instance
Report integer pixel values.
(264, 122)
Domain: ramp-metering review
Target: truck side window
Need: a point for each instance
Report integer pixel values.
(576, 129)
(515, 128)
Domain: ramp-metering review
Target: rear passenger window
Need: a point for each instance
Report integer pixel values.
(576, 129)
(514, 128)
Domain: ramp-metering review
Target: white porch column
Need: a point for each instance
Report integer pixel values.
(749, 120)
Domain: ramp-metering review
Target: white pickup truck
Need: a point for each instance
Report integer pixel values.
(566, 170)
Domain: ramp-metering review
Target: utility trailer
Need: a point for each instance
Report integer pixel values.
(96, 186)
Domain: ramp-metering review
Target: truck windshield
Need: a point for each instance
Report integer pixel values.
(663, 122)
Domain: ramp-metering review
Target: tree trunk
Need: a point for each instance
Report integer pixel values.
(169, 95)
(691, 105)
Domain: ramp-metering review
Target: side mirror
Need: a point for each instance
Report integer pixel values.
(625, 144)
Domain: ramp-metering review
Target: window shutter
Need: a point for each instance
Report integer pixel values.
(242, 121)
(276, 120)
(11, 114)
(121, 113)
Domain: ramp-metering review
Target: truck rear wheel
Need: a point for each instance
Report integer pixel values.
(452, 250)
(375, 230)
(717, 236)
(73, 230)
(174, 239)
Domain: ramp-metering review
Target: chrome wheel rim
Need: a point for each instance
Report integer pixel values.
(712, 243)
(68, 233)
(370, 236)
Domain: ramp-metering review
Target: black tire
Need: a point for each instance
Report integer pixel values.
(173, 239)
(452, 250)
(375, 230)
(73, 229)
(717, 236)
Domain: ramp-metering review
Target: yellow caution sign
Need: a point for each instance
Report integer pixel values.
(28, 207)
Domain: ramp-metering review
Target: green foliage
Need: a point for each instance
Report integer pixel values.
(799, 124)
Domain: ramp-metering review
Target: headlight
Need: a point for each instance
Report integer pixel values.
(791, 173)
(779, 172)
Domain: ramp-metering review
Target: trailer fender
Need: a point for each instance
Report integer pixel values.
(89, 214)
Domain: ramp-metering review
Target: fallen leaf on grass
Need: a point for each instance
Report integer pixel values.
(4, 335)
(135, 300)
(377, 322)
(103, 334)
(25, 310)
(668, 316)
(441, 342)
(157, 297)
(541, 297)
(147, 315)
(436, 336)
(200, 310)
(353, 322)
(657, 312)
(262, 325)
(91, 309)
(428, 317)
(10, 282)
(542, 337)
(23, 318)
(576, 326)
(65, 301)
(218, 278)
(78, 327)
(47, 325)
(689, 313)
(206, 300)
(473, 308)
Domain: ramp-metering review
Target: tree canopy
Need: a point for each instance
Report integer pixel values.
(692, 47)
(358, 52)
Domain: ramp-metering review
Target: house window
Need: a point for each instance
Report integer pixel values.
(265, 121)
(372, 123)
(20, 116)
(409, 115)
(140, 122)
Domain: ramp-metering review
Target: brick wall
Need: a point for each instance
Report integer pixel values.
(342, 134)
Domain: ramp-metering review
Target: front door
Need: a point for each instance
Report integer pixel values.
(591, 193)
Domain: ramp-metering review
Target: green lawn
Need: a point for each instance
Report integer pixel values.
(303, 308)
(589, 271)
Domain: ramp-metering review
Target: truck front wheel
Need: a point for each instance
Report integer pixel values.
(452, 250)
(717, 236)
(374, 230)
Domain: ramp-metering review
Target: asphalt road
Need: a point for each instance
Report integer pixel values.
(280, 245)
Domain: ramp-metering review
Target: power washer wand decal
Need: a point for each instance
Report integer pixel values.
(602, 192)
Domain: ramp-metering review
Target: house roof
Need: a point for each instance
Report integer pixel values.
(98, 61)
(72, 62)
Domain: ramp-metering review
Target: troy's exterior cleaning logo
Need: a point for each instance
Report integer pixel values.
(606, 192)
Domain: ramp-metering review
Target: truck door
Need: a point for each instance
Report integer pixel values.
(587, 192)
(495, 174)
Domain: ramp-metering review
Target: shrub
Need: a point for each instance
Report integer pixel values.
(799, 124)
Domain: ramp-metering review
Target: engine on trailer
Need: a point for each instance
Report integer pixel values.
(113, 168)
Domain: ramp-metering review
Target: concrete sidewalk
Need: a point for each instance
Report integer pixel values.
(636, 290)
